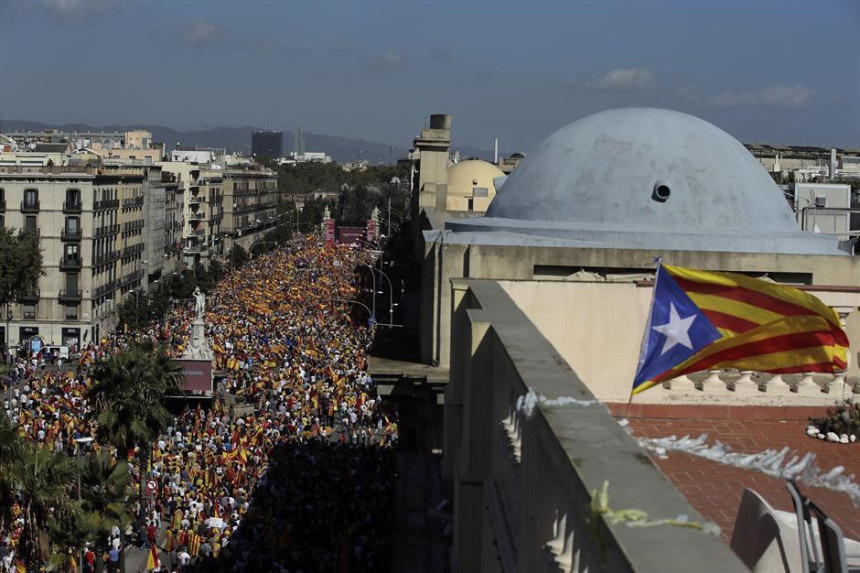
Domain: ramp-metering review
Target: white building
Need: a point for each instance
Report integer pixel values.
(823, 207)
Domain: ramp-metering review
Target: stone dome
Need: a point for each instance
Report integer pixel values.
(642, 177)
(464, 176)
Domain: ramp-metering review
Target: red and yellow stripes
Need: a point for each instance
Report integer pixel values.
(765, 326)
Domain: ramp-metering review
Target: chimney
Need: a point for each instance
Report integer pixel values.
(496, 150)
(833, 163)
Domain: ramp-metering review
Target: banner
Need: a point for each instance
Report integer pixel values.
(197, 375)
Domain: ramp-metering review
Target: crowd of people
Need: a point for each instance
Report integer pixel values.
(290, 467)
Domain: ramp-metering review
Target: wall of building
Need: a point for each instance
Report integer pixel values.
(445, 260)
(52, 310)
(524, 473)
(598, 327)
(812, 203)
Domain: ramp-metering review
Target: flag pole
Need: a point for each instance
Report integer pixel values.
(630, 401)
(658, 261)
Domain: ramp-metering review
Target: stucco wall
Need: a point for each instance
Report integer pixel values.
(597, 327)
(447, 258)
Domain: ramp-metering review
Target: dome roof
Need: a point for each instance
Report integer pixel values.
(642, 177)
(465, 175)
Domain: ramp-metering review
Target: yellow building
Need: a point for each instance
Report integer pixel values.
(471, 186)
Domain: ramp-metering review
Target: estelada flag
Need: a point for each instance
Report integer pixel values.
(702, 320)
(20, 567)
(152, 559)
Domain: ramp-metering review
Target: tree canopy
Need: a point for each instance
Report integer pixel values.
(20, 264)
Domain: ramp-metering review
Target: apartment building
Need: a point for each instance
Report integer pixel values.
(202, 209)
(250, 204)
(56, 204)
(173, 207)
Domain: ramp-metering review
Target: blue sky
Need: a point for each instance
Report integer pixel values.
(764, 70)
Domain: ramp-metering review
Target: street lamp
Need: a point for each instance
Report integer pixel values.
(390, 294)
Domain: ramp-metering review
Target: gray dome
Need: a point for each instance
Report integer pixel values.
(604, 168)
(642, 177)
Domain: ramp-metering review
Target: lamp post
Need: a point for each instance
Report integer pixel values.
(390, 294)
(373, 278)
(364, 306)
(7, 336)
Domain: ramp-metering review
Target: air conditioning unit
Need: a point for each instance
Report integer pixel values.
(820, 202)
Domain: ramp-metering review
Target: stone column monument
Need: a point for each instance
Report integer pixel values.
(199, 348)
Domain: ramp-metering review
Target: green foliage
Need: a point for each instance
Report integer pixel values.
(128, 392)
(105, 491)
(41, 478)
(20, 264)
(359, 191)
(842, 419)
(238, 256)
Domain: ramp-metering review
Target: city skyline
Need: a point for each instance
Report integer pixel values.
(768, 72)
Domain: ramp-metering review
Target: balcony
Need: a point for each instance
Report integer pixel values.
(30, 206)
(106, 204)
(30, 297)
(71, 234)
(69, 297)
(70, 264)
(108, 230)
(73, 207)
(198, 216)
(528, 448)
(194, 200)
(132, 250)
(106, 258)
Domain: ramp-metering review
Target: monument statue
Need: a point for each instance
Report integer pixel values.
(199, 303)
(198, 347)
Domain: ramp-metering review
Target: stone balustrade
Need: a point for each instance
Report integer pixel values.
(526, 448)
(733, 385)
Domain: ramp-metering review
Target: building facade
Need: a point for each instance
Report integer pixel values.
(202, 210)
(267, 144)
(250, 205)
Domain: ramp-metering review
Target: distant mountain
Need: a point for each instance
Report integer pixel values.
(342, 149)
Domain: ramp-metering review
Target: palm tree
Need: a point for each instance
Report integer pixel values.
(105, 491)
(10, 444)
(128, 392)
(41, 479)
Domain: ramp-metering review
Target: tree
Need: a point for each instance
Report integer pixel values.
(20, 269)
(238, 256)
(127, 394)
(41, 479)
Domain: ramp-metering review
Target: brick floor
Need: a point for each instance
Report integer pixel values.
(715, 489)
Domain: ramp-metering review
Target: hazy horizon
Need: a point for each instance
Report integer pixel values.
(767, 71)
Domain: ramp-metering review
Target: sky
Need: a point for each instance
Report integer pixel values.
(779, 71)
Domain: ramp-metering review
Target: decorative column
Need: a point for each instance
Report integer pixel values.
(713, 384)
(776, 385)
(745, 385)
(806, 386)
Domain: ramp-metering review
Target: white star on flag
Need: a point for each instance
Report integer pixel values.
(676, 331)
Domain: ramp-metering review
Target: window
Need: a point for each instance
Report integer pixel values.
(71, 283)
(31, 197)
(73, 197)
(73, 225)
(30, 224)
(29, 311)
(71, 251)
